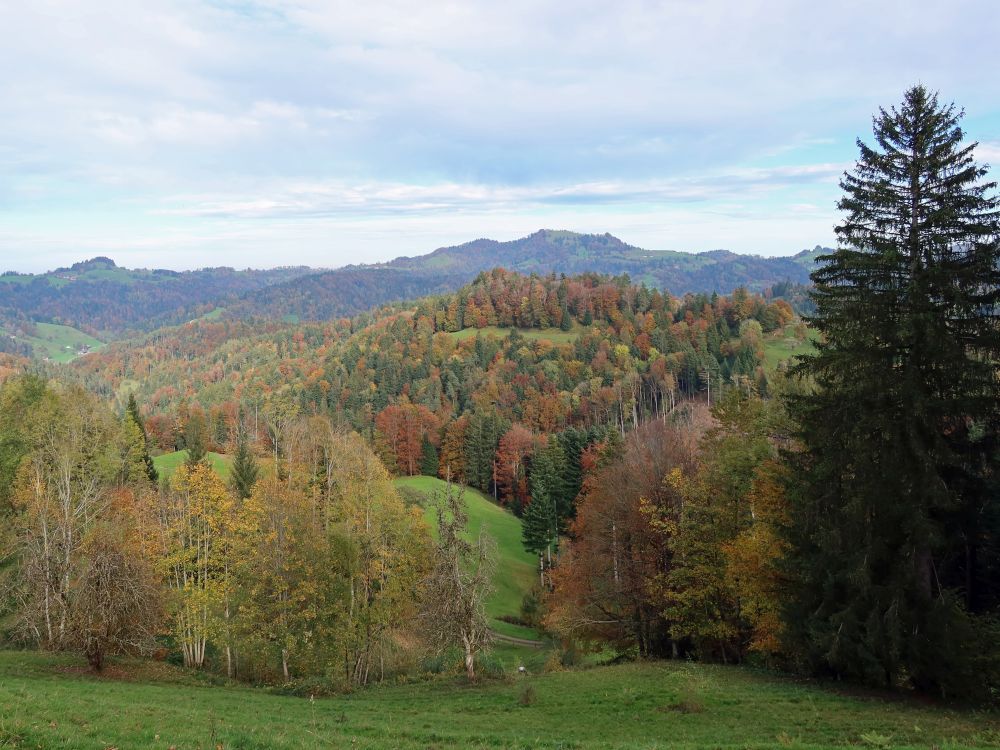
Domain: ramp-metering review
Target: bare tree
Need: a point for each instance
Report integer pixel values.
(116, 598)
(455, 592)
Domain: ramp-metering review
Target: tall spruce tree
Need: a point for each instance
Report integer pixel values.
(245, 471)
(482, 437)
(132, 412)
(895, 530)
(429, 463)
(540, 527)
(194, 438)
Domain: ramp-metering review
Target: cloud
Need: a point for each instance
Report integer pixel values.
(334, 198)
(988, 152)
(309, 110)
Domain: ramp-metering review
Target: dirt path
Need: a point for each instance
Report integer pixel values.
(516, 641)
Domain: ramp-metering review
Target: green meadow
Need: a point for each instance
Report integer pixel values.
(49, 701)
(167, 463)
(60, 343)
(782, 346)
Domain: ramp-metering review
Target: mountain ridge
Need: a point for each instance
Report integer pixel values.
(331, 293)
(109, 301)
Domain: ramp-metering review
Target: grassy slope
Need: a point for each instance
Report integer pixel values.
(515, 567)
(783, 346)
(168, 463)
(60, 343)
(555, 335)
(122, 275)
(46, 701)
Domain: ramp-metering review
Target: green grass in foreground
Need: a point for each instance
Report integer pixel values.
(48, 701)
(168, 463)
(516, 569)
(60, 343)
(555, 335)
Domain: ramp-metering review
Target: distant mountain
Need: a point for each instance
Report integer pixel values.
(349, 290)
(107, 301)
(807, 258)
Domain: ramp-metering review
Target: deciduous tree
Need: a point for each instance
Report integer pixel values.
(453, 611)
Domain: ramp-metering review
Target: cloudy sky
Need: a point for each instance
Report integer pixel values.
(183, 134)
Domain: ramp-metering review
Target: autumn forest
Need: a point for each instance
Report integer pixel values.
(550, 472)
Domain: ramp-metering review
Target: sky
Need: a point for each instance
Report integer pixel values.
(177, 134)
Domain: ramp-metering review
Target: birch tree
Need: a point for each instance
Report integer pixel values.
(195, 517)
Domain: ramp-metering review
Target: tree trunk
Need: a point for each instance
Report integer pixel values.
(470, 661)
(95, 656)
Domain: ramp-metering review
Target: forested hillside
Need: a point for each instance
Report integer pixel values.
(544, 353)
(104, 300)
(520, 386)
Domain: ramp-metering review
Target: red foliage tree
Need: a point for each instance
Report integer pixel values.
(402, 429)
(510, 470)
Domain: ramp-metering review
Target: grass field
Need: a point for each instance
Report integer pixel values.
(47, 701)
(60, 343)
(783, 346)
(555, 335)
(516, 569)
(168, 463)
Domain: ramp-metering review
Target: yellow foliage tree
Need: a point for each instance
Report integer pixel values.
(196, 518)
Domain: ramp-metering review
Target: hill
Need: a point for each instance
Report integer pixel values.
(49, 341)
(550, 251)
(626, 353)
(344, 292)
(356, 288)
(108, 301)
(641, 705)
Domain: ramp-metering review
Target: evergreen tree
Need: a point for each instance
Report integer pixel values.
(245, 471)
(548, 470)
(194, 438)
(895, 507)
(566, 321)
(540, 527)
(428, 458)
(132, 412)
(482, 437)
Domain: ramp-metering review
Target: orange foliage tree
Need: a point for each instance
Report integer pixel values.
(601, 583)
(510, 468)
(402, 429)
